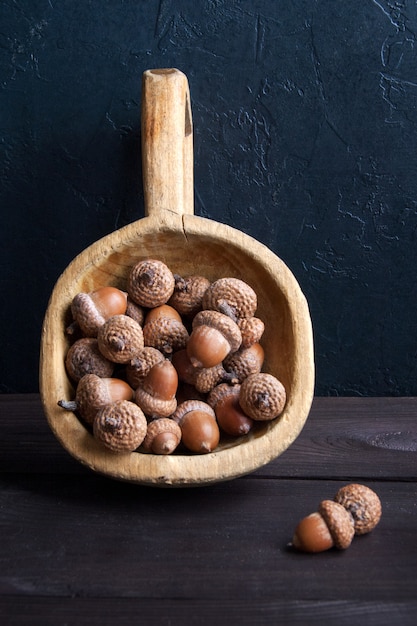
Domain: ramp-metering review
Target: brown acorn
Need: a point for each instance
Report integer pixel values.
(94, 392)
(156, 393)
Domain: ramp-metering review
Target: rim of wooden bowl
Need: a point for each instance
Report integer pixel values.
(188, 244)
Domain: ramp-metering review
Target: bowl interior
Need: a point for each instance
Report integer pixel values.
(188, 245)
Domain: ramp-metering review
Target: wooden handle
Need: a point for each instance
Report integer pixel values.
(167, 142)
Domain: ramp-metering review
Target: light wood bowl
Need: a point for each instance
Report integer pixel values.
(187, 244)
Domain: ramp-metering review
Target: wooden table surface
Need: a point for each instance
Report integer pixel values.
(80, 548)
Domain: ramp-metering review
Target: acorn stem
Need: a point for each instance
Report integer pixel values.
(68, 405)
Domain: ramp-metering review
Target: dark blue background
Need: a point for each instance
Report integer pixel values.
(305, 138)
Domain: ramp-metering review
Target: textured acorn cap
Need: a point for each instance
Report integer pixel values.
(339, 522)
(135, 311)
(84, 357)
(120, 426)
(152, 406)
(231, 295)
(120, 338)
(363, 504)
(150, 283)
(262, 396)
(91, 395)
(165, 334)
(141, 364)
(85, 312)
(188, 294)
(192, 405)
(223, 323)
(245, 361)
(221, 392)
(206, 378)
(163, 436)
(252, 329)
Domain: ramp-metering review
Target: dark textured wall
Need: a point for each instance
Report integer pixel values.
(305, 138)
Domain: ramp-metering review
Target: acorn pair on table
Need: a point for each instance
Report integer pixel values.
(355, 510)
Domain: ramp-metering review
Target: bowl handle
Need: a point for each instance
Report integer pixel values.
(167, 142)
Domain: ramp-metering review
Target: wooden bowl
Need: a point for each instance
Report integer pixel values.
(187, 244)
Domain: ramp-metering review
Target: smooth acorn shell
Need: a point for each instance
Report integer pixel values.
(156, 394)
(207, 347)
(94, 392)
(91, 310)
(231, 418)
(200, 432)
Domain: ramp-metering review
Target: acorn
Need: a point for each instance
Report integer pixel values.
(140, 366)
(150, 283)
(202, 378)
(331, 526)
(231, 296)
(94, 392)
(91, 310)
(135, 311)
(363, 504)
(120, 426)
(224, 399)
(166, 334)
(252, 329)
(213, 336)
(262, 396)
(156, 392)
(245, 361)
(163, 436)
(188, 294)
(199, 428)
(84, 357)
(120, 339)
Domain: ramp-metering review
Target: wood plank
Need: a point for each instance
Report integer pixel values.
(194, 612)
(91, 537)
(354, 438)
(78, 547)
(346, 438)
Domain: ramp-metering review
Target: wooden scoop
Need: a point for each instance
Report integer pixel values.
(188, 245)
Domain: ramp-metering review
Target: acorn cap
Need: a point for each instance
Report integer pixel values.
(262, 396)
(192, 405)
(188, 294)
(363, 504)
(162, 437)
(232, 295)
(339, 522)
(150, 283)
(252, 329)
(135, 311)
(206, 378)
(221, 392)
(84, 357)
(84, 311)
(120, 426)
(165, 334)
(223, 323)
(141, 364)
(245, 361)
(120, 338)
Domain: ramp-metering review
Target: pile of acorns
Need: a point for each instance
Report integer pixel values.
(174, 360)
(354, 510)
